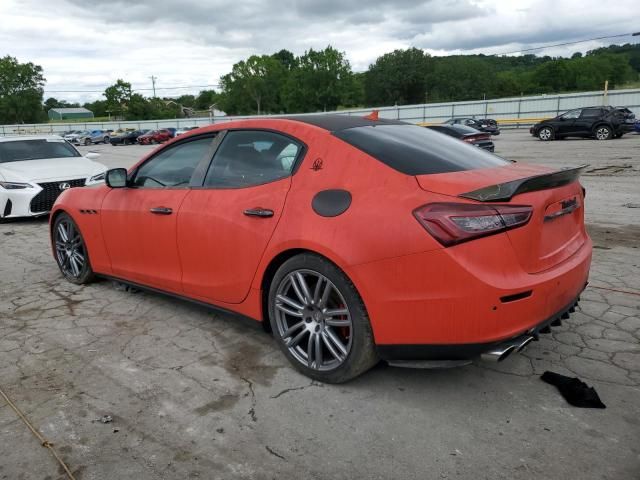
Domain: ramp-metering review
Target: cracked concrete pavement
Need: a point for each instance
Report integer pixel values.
(196, 394)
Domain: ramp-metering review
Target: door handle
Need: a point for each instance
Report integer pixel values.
(258, 212)
(161, 210)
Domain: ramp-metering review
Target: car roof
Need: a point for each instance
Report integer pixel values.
(335, 123)
(15, 138)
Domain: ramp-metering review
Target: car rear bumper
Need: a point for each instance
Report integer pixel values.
(474, 293)
(468, 351)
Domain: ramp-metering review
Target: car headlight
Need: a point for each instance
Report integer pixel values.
(98, 178)
(15, 185)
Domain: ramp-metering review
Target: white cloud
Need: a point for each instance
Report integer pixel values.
(89, 45)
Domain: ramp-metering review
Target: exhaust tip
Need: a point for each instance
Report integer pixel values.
(499, 354)
(524, 343)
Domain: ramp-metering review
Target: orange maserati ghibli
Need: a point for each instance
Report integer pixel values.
(352, 239)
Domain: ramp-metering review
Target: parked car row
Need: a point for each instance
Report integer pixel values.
(146, 137)
(87, 137)
(600, 122)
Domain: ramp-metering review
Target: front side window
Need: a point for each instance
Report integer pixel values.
(174, 166)
(16, 151)
(252, 157)
(571, 114)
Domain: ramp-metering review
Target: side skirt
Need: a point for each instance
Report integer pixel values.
(251, 322)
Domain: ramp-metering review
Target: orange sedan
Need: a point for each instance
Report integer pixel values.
(351, 239)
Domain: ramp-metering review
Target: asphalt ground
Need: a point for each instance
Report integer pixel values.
(196, 394)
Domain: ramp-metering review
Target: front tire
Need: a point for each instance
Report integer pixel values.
(87, 142)
(602, 132)
(106, 140)
(71, 252)
(545, 134)
(319, 320)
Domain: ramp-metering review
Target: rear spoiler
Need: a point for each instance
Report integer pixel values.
(505, 191)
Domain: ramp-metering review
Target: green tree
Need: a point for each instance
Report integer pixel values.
(99, 108)
(21, 90)
(186, 100)
(253, 86)
(205, 99)
(398, 77)
(118, 97)
(322, 81)
(461, 77)
(286, 58)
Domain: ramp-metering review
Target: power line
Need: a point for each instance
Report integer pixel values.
(136, 89)
(568, 43)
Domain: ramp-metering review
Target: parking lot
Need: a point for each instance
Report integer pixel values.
(197, 394)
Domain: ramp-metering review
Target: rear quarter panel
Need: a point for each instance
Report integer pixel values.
(379, 222)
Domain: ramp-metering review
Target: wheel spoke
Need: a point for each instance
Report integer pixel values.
(62, 232)
(296, 288)
(304, 288)
(292, 329)
(334, 322)
(336, 312)
(310, 349)
(74, 266)
(290, 302)
(330, 347)
(79, 258)
(317, 345)
(296, 340)
(325, 295)
(334, 338)
(60, 245)
(288, 311)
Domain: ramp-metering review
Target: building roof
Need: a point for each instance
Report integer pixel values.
(71, 110)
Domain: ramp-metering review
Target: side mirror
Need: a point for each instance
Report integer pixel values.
(116, 178)
(92, 155)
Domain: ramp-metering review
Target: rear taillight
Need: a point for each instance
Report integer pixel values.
(453, 223)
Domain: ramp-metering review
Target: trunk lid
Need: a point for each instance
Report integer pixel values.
(556, 228)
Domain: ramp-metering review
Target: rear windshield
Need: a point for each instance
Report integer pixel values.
(19, 150)
(416, 150)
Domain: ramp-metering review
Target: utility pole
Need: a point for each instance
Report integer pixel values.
(153, 82)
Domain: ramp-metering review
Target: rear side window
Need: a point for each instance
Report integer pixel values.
(591, 112)
(414, 150)
(252, 157)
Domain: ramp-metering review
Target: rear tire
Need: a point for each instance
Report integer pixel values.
(87, 142)
(70, 250)
(106, 140)
(319, 320)
(546, 134)
(603, 132)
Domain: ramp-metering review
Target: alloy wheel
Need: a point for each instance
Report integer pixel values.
(70, 251)
(313, 320)
(545, 134)
(603, 133)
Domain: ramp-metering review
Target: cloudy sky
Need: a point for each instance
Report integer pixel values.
(87, 45)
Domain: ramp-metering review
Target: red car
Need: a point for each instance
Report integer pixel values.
(352, 239)
(155, 136)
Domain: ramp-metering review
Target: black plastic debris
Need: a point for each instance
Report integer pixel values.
(574, 391)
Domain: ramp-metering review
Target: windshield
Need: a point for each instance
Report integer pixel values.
(36, 149)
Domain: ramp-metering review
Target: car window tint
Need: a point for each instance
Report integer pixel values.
(36, 149)
(591, 112)
(572, 114)
(174, 166)
(252, 157)
(415, 150)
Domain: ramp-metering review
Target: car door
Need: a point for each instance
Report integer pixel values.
(584, 123)
(224, 226)
(565, 123)
(139, 221)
